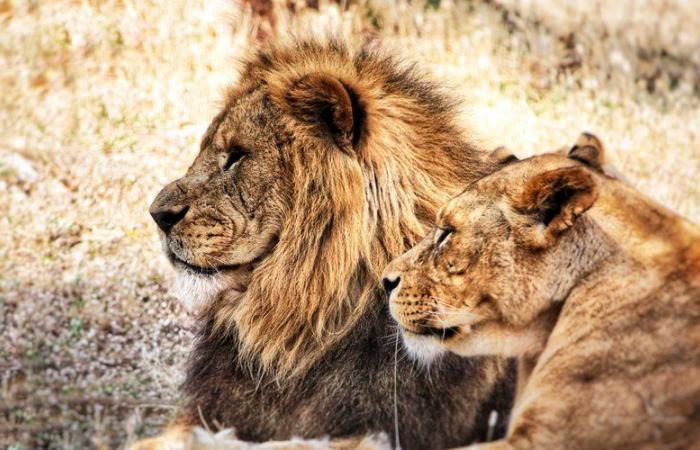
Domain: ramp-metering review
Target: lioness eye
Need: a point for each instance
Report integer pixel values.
(442, 234)
(235, 155)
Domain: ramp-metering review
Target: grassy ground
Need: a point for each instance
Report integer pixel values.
(104, 101)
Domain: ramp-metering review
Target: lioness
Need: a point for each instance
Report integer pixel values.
(328, 160)
(595, 287)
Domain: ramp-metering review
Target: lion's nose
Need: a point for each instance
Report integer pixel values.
(167, 217)
(390, 282)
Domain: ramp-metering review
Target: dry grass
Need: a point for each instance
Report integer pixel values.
(104, 101)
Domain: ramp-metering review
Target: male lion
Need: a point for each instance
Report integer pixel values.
(595, 287)
(327, 161)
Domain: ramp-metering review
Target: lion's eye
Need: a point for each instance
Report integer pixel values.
(235, 154)
(442, 235)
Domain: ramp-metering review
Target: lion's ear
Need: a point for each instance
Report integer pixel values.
(328, 105)
(589, 150)
(555, 199)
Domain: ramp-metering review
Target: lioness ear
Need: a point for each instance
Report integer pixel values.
(324, 102)
(555, 199)
(502, 156)
(589, 150)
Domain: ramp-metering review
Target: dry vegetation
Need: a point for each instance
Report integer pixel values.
(104, 101)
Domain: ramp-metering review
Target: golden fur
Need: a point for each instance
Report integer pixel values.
(594, 287)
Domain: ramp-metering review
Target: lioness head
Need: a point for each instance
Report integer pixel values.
(496, 259)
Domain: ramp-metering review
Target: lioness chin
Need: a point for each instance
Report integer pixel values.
(594, 287)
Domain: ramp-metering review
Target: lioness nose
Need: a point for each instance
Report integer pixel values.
(167, 217)
(390, 282)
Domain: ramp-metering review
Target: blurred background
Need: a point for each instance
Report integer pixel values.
(103, 102)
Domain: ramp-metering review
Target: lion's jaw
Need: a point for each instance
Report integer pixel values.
(197, 291)
(197, 288)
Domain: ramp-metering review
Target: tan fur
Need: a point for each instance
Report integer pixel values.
(593, 286)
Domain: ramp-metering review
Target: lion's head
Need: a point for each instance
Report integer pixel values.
(497, 256)
(326, 161)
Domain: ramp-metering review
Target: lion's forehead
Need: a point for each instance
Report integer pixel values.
(250, 121)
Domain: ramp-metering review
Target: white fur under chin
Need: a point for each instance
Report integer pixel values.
(196, 291)
(424, 349)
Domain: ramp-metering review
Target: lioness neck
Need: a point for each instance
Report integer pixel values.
(643, 230)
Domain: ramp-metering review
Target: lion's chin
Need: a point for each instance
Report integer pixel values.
(197, 291)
